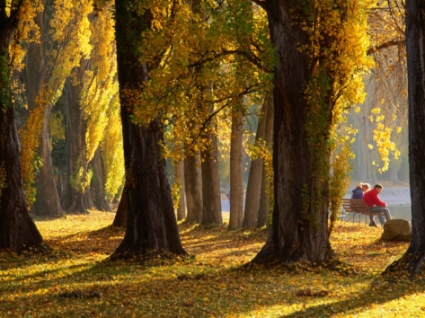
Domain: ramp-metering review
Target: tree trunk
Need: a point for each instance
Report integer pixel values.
(47, 197)
(120, 219)
(253, 189)
(264, 210)
(151, 222)
(236, 184)
(78, 197)
(97, 186)
(193, 187)
(297, 234)
(17, 229)
(181, 209)
(414, 257)
(211, 184)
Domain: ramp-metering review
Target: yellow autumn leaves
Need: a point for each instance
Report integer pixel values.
(208, 284)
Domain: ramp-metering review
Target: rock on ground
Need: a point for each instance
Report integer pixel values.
(397, 230)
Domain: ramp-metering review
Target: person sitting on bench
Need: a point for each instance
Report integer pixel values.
(358, 194)
(376, 205)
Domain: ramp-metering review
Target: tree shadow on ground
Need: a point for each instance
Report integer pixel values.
(381, 292)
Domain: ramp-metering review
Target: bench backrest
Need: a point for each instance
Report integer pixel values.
(355, 205)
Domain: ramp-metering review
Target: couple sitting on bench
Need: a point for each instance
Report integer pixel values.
(376, 206)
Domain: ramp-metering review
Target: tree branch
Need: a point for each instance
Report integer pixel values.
(384, 45)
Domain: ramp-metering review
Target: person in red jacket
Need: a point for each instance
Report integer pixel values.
(376, 205)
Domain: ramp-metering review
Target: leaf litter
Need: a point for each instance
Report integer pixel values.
(72, 277)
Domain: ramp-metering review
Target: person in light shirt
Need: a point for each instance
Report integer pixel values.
(376, 205)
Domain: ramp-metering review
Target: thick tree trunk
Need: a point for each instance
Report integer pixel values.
(211, 184)
(299, 229)
(120, 219)
(181, 209)
(151, 222)
(193, 187)
(414, 257)
(264, 210)
(253, 189)
(17, 229)
(236, 184)
(47, 198)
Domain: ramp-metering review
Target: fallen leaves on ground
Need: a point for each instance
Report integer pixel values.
(72, 279)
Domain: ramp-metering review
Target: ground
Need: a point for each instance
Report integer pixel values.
(74, 279)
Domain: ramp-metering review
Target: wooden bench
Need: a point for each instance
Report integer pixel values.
(357, 206)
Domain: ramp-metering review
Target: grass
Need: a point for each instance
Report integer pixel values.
(72, 279)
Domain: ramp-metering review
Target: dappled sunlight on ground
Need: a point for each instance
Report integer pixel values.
(72, 279)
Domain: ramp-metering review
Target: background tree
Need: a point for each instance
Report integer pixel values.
(67, 39)
(253, 189)
(17, 229)
(236, 172)
(91, 92)
(412, 260)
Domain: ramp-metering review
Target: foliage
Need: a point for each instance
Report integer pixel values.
(27, 32)
(73, 277)
(68, 41)
(96, 80)
(343, 138)
(30, 161)
(389, 113)
(204, 58)
(337, 50)
(4, 81)
(112, 151)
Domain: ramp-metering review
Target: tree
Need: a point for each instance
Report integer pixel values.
(193, 185)
(413, 258)
(267, 178)
(151, 223)
(66, 35)
(236, 179)
(17, 229)
(318, 73)
(211, 212)
(91, 92)
(253, 188)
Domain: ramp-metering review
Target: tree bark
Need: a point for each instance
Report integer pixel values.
(97, 186)
(17, 229)
(296, 234)
(211, 184)
(77, 199)
(193, 187)
(264, 210)
(236, 184)
(151, 222)
(47, 197)
(253, 189)
(414, 257)
(120, 219)
(181, 209)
